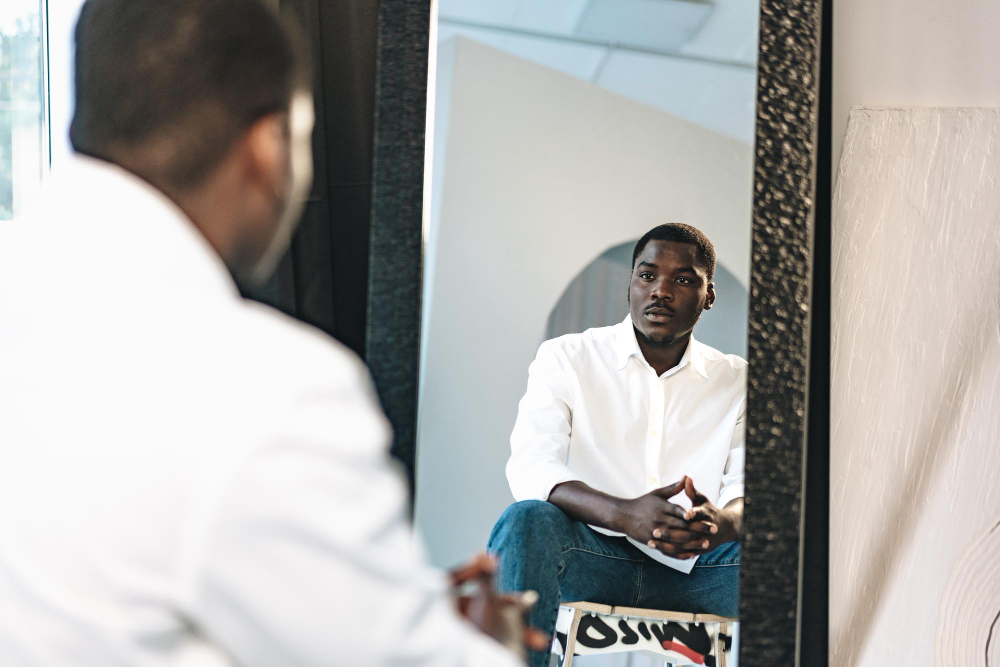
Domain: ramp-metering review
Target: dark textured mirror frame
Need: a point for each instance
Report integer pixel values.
(780, 314)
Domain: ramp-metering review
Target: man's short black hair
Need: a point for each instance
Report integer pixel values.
(174, 83)
(680, 233)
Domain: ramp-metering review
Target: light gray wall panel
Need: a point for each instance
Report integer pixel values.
(915, 403)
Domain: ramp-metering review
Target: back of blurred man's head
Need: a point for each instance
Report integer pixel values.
(168, 89)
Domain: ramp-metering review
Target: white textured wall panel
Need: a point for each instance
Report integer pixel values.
(915, 456)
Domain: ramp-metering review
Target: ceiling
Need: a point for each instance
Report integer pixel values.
(691, 58)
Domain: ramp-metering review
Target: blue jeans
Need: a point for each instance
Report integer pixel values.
(542, 549)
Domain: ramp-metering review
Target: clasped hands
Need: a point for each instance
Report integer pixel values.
(672, 530)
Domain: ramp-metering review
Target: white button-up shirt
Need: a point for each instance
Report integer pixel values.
(186, 477)
(595, 411)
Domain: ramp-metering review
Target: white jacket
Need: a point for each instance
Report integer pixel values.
(186, 477)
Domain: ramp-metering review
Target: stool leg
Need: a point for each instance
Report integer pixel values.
(720, 645)
(571, 638)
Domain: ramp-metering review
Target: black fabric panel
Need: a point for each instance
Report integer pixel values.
(348, 32)
(394, 284)
(314, 281)
(311, 258)
(814, 634)
(279, 291)
(348, 204)
(323, 279)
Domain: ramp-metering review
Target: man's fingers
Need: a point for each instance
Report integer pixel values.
(706, 527)
(688, 550)
(680, 523)
(696, 496)
(668, 521)
(524, 600)
(697, 545)
(672, 549)
(701, 513)
(536, 640)
(671, 490)
(665, 547)
(672, 510)
(480, 565)
(677, 536)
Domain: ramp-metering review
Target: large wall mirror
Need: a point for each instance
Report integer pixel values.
(563, 132)
(557, 134)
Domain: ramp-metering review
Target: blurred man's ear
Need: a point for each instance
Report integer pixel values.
(266, 144)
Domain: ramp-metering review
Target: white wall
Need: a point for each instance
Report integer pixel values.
(542, 173)
(913, 53)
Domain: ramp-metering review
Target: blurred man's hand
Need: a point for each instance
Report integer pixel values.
(502, 617)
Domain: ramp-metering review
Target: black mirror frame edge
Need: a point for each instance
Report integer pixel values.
(785, 530)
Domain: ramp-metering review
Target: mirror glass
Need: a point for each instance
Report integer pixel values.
(559, 133)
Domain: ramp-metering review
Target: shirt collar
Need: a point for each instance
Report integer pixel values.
(150, 229)
(626, 346)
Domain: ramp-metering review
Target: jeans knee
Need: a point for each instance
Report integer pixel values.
(526, 518)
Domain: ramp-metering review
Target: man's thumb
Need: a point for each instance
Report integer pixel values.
(692, 493)
(673, 489)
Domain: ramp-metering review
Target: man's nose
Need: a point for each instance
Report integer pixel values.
(662, 291)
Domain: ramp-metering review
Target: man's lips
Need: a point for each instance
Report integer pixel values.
(659, 315)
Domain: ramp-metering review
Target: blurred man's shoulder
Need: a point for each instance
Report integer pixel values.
(280, 341)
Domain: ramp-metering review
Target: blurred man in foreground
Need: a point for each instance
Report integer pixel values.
(187, 477)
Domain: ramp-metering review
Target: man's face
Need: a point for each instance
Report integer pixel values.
(668, 291)
(299, 180)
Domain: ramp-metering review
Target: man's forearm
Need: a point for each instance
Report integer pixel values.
(734, 513)
(583, 503)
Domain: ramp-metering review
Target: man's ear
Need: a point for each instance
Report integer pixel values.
(710, 297)
(267, 151)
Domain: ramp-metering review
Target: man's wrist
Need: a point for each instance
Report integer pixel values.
(616, 517)
(730, 525)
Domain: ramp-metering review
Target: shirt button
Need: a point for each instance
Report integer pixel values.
(653, 480)
(656, 432)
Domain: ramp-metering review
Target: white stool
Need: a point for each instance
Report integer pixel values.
(676, 637)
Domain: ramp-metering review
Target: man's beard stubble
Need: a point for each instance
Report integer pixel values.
(666, 341)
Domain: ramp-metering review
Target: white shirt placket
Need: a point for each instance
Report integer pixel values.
(654, 431)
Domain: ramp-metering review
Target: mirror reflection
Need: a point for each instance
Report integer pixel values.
(584, 315)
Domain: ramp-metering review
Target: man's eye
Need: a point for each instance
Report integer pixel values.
(684, 281)
(646, 275)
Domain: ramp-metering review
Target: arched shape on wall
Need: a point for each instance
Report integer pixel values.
(596, 298)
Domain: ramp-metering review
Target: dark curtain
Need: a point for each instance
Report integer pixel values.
(370, 86)
(323, 279)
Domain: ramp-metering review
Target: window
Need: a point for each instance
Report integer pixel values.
(24, 132)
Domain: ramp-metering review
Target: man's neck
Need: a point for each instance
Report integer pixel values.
(663, 356)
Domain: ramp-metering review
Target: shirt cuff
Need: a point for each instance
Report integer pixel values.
(540, 485)
(730, 493)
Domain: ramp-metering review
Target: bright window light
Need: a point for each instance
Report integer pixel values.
(24, 132)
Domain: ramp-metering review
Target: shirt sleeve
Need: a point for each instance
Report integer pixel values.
(310, 559)
(540, 441)
(732, 476)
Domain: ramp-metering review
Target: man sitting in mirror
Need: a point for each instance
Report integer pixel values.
(627, 453)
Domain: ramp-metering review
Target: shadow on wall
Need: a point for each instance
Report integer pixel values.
(596, 297)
